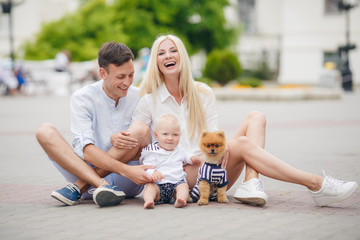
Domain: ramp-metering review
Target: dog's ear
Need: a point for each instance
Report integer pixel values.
(221, 134)
(203, 133)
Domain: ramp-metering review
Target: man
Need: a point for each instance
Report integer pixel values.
(98, 157)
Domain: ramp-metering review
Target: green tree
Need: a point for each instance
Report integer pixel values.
(199, 23)
(81, 33)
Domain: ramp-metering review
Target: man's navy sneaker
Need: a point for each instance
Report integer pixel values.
(69, 195)
(108, 195)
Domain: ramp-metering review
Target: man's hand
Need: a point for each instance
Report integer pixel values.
(138, 175)
(122, 140)
(157, 176)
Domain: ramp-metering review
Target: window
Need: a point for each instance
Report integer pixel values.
(333, 57)
(247, 16)
(331, 7)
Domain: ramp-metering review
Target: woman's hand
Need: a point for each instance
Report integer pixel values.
(197, 160)
(122, 140)
(225, 158)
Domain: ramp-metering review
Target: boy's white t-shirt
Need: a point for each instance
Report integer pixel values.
(168, 163)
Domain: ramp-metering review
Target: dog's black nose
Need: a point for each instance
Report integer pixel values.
(212, 150)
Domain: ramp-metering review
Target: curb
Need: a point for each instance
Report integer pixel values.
(277, 94)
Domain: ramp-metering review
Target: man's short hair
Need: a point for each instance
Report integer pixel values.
(114, 53)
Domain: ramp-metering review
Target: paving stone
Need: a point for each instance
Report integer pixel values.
(311, 135)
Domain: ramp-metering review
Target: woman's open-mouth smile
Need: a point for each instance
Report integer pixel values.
(170, 64)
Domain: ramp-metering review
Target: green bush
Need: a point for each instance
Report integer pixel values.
(250, 81)
(222, 66)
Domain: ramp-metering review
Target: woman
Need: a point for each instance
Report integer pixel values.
(168, 87)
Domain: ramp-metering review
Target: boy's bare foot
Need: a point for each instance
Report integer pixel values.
(149, 205)
(180, 203)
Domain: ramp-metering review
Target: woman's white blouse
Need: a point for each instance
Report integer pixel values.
(150, 109)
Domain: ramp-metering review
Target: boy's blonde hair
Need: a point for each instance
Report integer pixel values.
(167, 118)
(188, 87)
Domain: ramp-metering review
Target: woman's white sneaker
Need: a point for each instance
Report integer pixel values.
(251, 192)
(333, 190)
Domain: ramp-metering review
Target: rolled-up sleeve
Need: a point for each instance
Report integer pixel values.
(148, 158)
(81, 124)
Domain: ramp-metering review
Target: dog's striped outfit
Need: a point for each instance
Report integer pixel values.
(213, 174)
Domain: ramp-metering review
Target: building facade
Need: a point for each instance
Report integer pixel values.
(296, 37)
(27, 19)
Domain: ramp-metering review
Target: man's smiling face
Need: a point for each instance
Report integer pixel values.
(117, 79)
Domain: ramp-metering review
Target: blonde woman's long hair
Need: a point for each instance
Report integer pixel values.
(188, 87)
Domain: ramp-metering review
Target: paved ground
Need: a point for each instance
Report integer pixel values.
(310, 135)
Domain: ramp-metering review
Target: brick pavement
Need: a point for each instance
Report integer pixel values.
(279, 200)
(306, 134)
(288, 215)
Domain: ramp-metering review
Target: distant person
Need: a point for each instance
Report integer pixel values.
(21, 76)
(92, 74)
(144, 55)
(168, 157)
(106, 144)
(141, 64)
(62, 61)
(8, 78)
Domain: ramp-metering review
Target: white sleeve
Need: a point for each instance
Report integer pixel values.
(142, 111)
(81, 124)
(211, 114)
(188, 157)
(148, 158)
(209, 106)
(185, 155)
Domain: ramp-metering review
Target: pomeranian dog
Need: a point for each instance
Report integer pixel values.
(212, 180)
